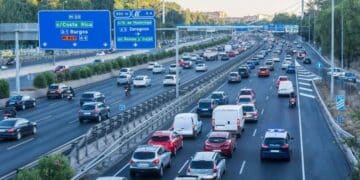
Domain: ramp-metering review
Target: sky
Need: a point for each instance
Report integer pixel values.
(239, 8)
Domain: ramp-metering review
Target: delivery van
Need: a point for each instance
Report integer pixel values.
(228, 118)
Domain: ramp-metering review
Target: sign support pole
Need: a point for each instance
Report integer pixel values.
(177, 61)
(17, 62)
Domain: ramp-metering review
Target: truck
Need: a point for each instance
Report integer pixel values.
(228, 48)
(210, 55)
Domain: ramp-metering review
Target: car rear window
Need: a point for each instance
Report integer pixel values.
(248, 108)
(245, 93)
(15, 98)
(216, 96)
(7, 123)
(217, 139)
(244, 100)
(123, 70)
(263, 69)
(139, 78)
(283, 78)
(169, 77)
(268, 63)
(87, 95)
(88, 107)
(201, 165)
(144, 155)
(233, 74)
(274, 141)
(204, 105)
(54, 87)
(160, 138)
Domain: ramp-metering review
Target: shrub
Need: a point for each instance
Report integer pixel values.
(40, 81)
(55, 167)
(107, 66)
(4, 89)
(114, 64)
(28, 174)
(50, 77)
(75, 74)
(60, 77)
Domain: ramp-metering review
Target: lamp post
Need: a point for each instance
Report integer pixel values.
(163, 11)
(332, 49)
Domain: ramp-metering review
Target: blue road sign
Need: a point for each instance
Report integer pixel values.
(340, 119)
(74, 29)
(340, 102)
(319, 65)
(122, 107)
(135, 29)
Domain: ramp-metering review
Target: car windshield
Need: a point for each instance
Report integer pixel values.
(59, 67)
(233, 74)
(7, 123)
(123, 76)
(291, 67)
(245, 92)
(144, 155)
(52, 87)
(87, 95)
(160, 138)
(123, 70)
(274, 141)
(248, 108)
(242, 69)
(15, 98)
(139, 78)
(217, 139)
(173, 65)
(216, 96)
(202, 165)
(244, 99)
(97, 60)
(263, 69)
(268, 63)
(204, 105)
(169, 77)
(88, 107)
(283, 78)
(348, 74)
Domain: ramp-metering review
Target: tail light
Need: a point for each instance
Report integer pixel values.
(131, 161)
(156, 161)
(96, 110)
(238, 121)
(255, 114)
(189, 169)
(285, 146)
(215, 170)
(264, 146)
(213, 122)
(11, 130)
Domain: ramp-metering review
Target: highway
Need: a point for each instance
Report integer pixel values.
(316, 154)
(57, 119)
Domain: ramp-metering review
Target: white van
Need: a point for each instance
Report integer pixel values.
(187, 124)
(228, 118)
(285, 88)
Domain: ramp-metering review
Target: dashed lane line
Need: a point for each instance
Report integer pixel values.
(307, 95)
(306, 89)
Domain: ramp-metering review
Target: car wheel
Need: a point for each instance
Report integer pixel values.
(99, 118)
(34, 130)
(161, 172)
(132, 174)
(18, 135)
(169, 164)
(81, 121)
(23, 107)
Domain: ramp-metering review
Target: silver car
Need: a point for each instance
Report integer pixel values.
(124, 78)
(149, 159)
(234, 77)
(207, 165)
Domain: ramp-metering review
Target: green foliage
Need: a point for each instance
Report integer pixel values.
(285, 18)
(4, 88)
(60, 77)
(75, 74)
(50, 77)
(28, 174)
(55, 167)
(40, 81)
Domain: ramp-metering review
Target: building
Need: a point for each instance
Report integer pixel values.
(216, 15)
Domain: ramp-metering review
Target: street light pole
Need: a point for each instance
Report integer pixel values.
(163, 11)
(177, 61)
(17, 60)
(342, 40)
(309, 30)
(332, 49)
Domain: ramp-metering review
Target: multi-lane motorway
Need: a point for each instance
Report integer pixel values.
(316, 155)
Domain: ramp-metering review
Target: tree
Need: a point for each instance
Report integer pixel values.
(32, 174)
(285, 18)
(55, 167)
(4, 89)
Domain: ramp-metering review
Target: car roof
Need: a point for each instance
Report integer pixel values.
(147, 148)
(92, 92)
(91, 103)
(206, 100)
(162, 133)
(186, 115)
(276, 133)
(218, 134)
(263, 67)
(218, 92)
(246, 89)
(228, 107)
(204, 156)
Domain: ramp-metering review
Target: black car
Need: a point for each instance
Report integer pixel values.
(307, 61)
(276, 145)
(10, 61)
(9, 112)
(16, 128)
(21, 102)
(206, 107)
(244, 72)
(92, 96)
(94, 111)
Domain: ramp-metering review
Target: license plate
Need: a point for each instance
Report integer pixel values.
(143, 165)
(204, 109)
(11, 102)
(274, 151)
(216, 150)
(87, 113)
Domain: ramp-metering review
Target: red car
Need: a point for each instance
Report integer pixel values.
(181, 62)
(281, 78)
(170, 140)
(61, 68)
(247, 91)
(231, 54)
(222, 142)
(263, 72)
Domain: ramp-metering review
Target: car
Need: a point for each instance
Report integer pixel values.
(337, 72)
(142, 81)
(264, 71)
(285, 88)
(231, 54)
(186, 56)
(57, 91)
(10, 61)
(61, 68)
(92, 96)
(187, 125)
(9, 112)
(270, 64)
(223, 56)
(201, 67)
(111, 178)
(187, 177)
(124, 78)
(170, 140)
(349, 77)
(246, 99)
(207, 165)
(101, 53)
(276, 59)
(234, 77)
(220, 141)
(250, 64)
(94, 111)
(220, 97)
(276, 144)
(285, 64)
(194, 57)
(98, 61)
(172, 69)
(307, 61)
(228, 118)
(127, 71)
(290, 69)
(244, 71)
(21, 102)
(149, 159)
(247, 91)
(151, 65)
(169, 80)
(281, 78)
(255, 60)
(205, 107)
(158, 68)
(250, 112)
(188, 65)
(16, 128)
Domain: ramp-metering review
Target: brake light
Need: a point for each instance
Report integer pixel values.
(285, 146)
(264, 146)
(156, 161)
(11, 130)
(131, 161)
(215, 170)
(238, 121)
(189, 169)
(96, 110)
(213, 122)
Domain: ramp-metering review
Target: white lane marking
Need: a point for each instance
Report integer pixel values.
(305, 79)
(73, 121)
(300, 129)
(262, 111)
(254, 133)
(270, 87)
(242, 167)
(267, 98)
(306, 84)
(307, 95)
(43, 119)
(307, 75)
(250, 80)
(16, 145)
(183, 166)
(120, 170)
(306, 89)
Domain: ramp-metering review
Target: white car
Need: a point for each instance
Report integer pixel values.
(126, 71)
(101, 53)
(285, 88)
(285, 64)
(143, 81)
(169, 80)
(201, 67)
(158, 68)
(172, 69)
(151, 65)
(276, 59)
(337, 72)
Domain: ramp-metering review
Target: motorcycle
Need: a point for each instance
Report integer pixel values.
(69, 95)
(127, 92)
(292, 102)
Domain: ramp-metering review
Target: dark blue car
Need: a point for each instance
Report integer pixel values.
(206, 107)
(350, 77)
(251, 64)
(220, 97)
(290, 69)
